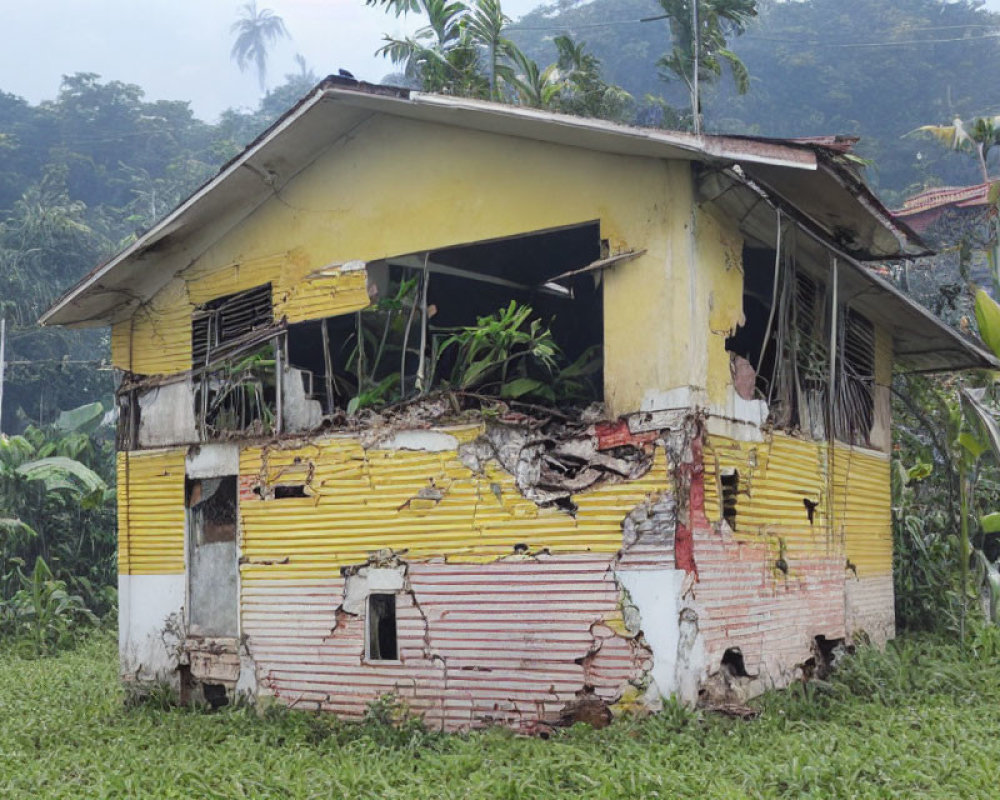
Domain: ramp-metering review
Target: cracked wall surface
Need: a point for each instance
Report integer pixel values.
(509, 642)
(513, 611)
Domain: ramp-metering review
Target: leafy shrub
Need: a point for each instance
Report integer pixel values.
(43, 617)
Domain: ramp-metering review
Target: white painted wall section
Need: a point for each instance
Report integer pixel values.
(150, 625)
(657, 595)
(213, 461)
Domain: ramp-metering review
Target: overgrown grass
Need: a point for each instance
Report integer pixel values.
(917, 721)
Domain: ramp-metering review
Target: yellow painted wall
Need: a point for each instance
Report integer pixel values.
(151, 512)
(401, 187)
(362, 501)
(719, 298)
(777, 475)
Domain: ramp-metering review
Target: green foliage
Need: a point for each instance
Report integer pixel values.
(816, 67)
(717, 21)
(501, 348)
(464, 49)
(891, 724)
(988, 319)
(42, 616)
(56, 508)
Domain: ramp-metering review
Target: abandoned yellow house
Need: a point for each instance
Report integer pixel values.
(680, 487)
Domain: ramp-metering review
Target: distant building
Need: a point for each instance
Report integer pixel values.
(712, 527)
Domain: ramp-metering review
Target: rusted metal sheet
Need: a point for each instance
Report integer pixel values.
(511, 641)
(151, 512)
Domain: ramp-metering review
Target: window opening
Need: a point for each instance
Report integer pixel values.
(382, 634)
(484, 318)
(235, 350)
(855, 382)
(730, 481)
(794, 354)
(228, 319)
(213, 506)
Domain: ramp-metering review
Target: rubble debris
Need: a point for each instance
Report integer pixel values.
(552, 463)
(588, 707)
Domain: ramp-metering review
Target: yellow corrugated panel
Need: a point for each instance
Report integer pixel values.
(363, 501)
(151, 512)
(322, 296)
(863, 509)
(158, 337)
(776, 477)
(204, 285)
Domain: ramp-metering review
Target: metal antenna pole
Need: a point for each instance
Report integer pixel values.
(696, 100)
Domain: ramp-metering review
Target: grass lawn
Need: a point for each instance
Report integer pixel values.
(921, 720)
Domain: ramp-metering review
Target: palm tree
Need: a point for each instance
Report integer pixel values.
(716, 21)
(442, 55)
(255, 32)
(978, 138)
(534, 87)
(485, 24)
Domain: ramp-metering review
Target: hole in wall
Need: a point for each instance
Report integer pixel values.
(289, 490)
(730, 481)
(213, 505)
(811, 506)
(215, 694)
(732, 660)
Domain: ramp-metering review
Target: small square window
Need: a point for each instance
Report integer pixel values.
(382, 640)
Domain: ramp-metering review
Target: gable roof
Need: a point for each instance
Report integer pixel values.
(808, 175)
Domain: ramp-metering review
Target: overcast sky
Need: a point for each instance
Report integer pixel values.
(179, 49)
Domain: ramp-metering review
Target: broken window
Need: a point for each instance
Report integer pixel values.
(855, 384)
(235, 348)
(212, 503)
(499, 318)
(786, 340)
(225, 321)
(382, 634)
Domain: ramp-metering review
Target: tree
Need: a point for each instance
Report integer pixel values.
(485, 23)
(714, 21)
(256, 31)
(978, 138)
(442, 55)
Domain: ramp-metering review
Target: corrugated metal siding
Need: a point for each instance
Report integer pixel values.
(863, 509)
(204, 285)
(511, 641)
(159, 335)
(364, 501)
(323, 296)
(162, 333)
(151, 512)
(777, 475)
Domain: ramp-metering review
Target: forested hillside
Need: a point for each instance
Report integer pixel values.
(80, 177)
(871, 68)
